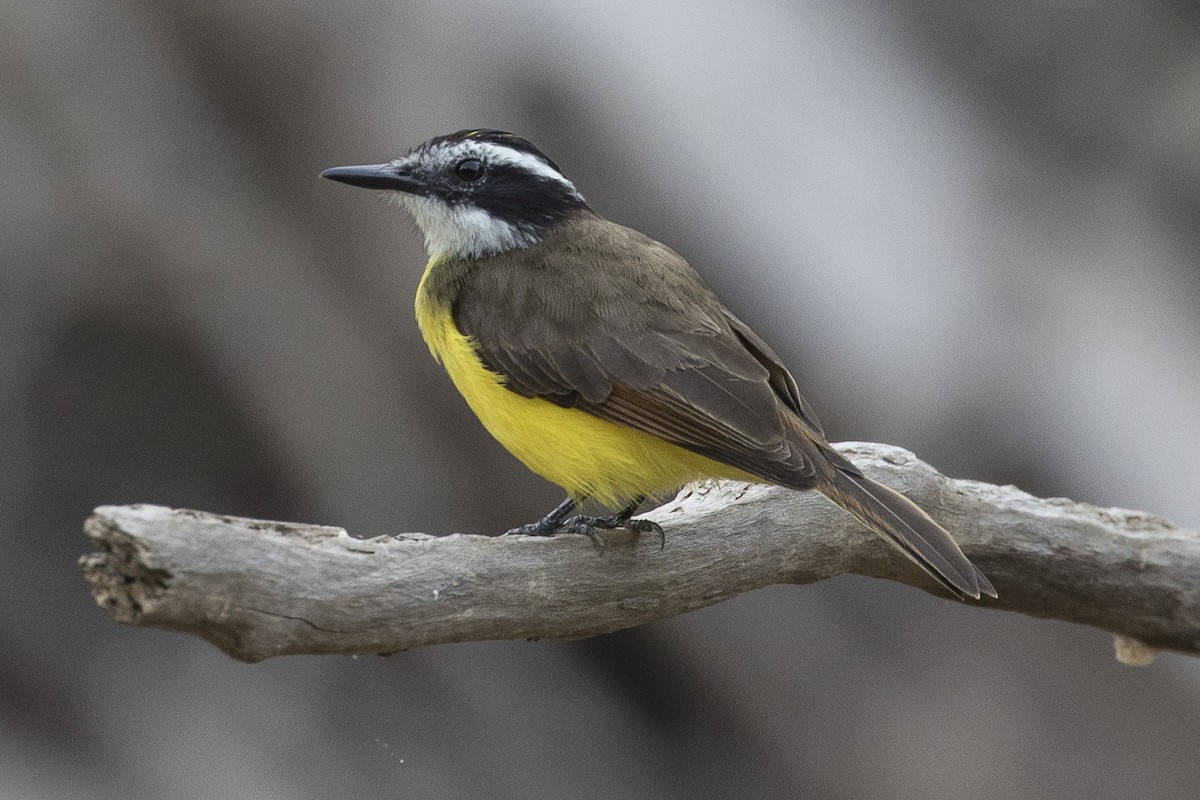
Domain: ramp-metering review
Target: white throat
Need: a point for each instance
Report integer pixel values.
(462, 231)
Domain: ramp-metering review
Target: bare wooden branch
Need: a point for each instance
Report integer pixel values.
(259, 589)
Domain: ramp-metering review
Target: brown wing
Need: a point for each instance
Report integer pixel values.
(781, 380)
(621, 327)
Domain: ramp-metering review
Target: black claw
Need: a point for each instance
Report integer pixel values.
(589, 527)
(649, 526)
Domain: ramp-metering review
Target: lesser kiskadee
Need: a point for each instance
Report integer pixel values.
(601, 360)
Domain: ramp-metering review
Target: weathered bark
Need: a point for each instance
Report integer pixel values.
(259, 589)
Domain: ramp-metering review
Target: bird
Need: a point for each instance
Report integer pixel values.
(602, 360)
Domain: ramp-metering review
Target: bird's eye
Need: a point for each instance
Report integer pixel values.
(469, 169)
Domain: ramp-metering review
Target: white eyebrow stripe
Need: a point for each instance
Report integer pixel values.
(490, 151)
(526, 161)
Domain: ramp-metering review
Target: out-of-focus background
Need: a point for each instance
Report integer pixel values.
(970, 228)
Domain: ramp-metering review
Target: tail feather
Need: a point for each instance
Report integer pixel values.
(903, 524)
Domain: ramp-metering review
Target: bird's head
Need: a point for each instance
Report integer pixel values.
(474, 192)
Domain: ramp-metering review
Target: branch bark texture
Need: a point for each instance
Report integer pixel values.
(258, 589)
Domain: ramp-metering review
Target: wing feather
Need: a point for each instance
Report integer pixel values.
(634, 336)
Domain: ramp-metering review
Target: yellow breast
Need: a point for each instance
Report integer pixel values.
(587, 456)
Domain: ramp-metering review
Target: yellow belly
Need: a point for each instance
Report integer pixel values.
(588, 456)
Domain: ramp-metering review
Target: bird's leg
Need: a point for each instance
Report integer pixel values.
(547, 525)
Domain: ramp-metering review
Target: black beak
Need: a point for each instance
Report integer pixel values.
(373, 176)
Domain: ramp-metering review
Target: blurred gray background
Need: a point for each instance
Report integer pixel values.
(970, 228)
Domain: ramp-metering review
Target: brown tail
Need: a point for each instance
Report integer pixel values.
(902, 523)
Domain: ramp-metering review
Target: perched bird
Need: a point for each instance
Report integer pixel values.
(600, 358)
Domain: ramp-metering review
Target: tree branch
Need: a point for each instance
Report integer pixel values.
(260, 589)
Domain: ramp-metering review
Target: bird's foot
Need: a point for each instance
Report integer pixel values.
(587, 526)
(557, 522)
(547, 525)
(591, 527)
(538, 528)
(624, 519)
